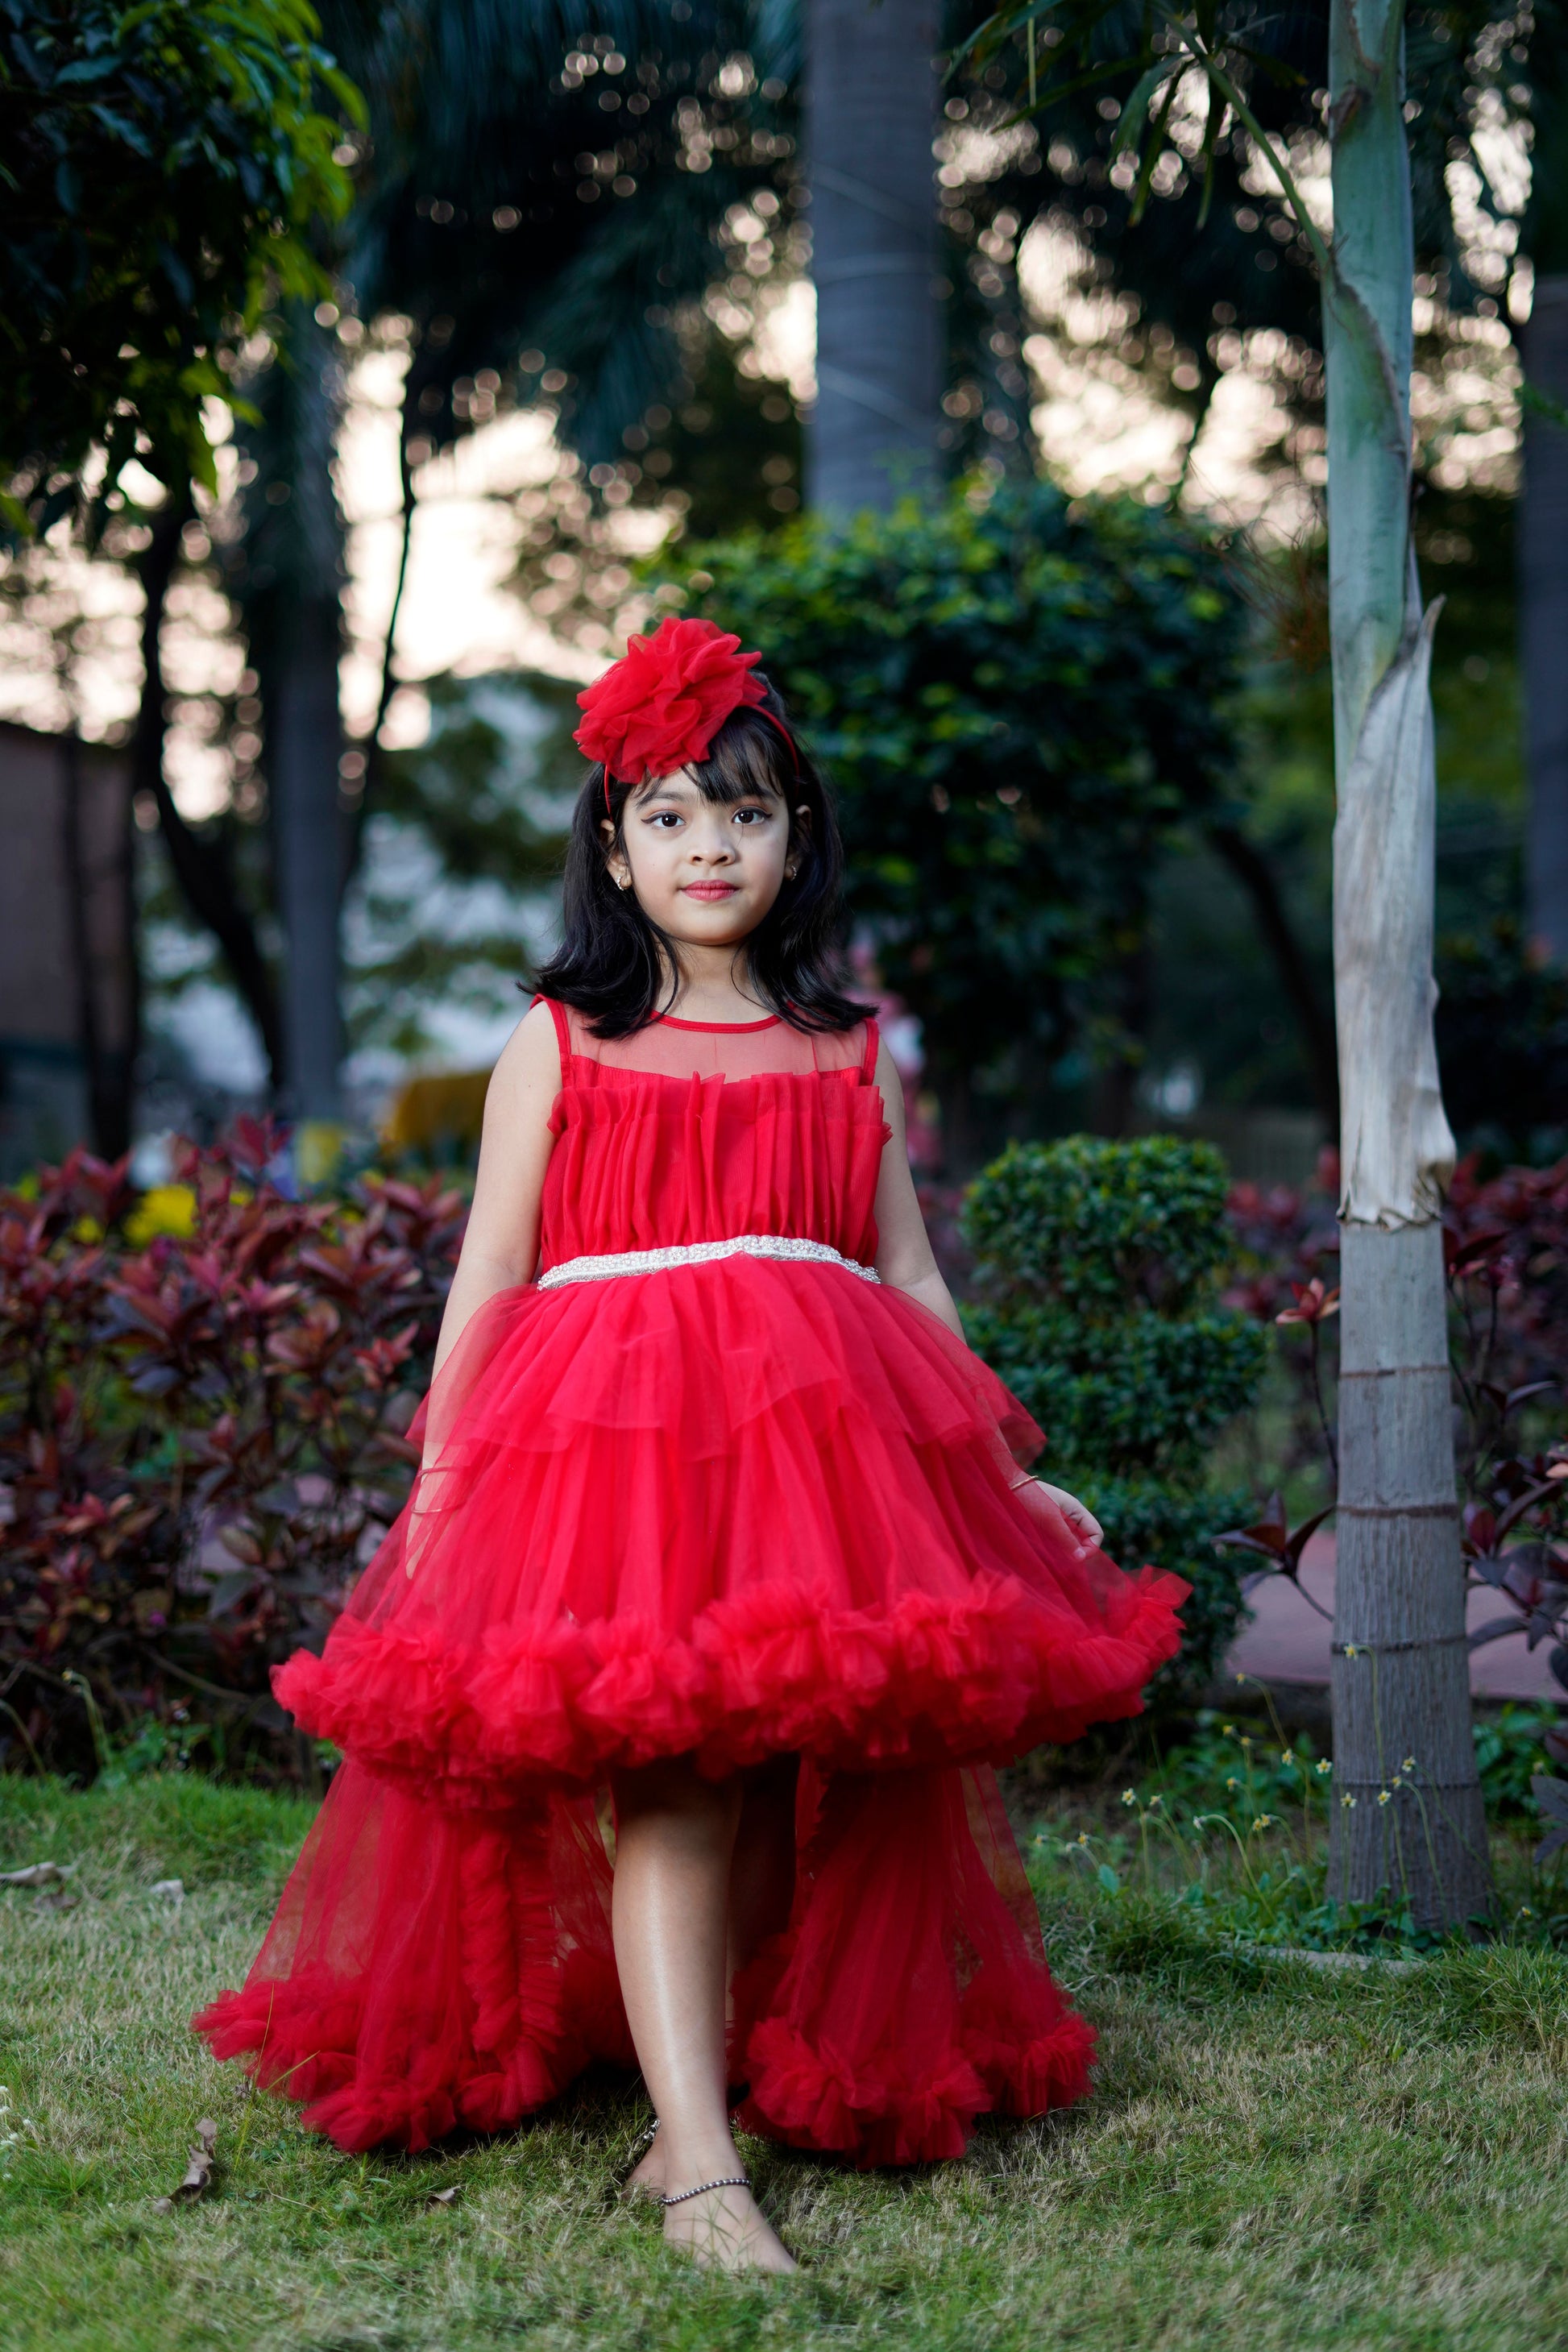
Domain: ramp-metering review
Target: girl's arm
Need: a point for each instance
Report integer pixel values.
(904, 1259)
(904, 1256)
(500, 1248)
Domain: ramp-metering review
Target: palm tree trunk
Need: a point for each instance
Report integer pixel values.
(1543, 616)
(1408, 1817)
(869, 121)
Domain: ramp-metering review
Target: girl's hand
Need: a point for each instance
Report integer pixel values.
(1079, 1516)
(1062, 1512)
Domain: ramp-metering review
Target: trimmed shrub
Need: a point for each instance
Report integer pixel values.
(1098, 1267)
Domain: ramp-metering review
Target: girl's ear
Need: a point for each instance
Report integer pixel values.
(616, 863)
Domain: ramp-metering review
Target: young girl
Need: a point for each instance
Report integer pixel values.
(719, 1562)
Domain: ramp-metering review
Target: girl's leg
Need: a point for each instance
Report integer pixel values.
(675, 1837)
(761, 1875)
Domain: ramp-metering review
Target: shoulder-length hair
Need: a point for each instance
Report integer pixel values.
(609, 965)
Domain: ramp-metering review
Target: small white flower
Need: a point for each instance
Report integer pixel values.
(1129, 1796)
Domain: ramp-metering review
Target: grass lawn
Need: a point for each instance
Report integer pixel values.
(1277, 2156)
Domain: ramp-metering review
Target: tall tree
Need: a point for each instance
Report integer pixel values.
(871, 91)
(1543, 488)
(1401, 1666)
(1410, 1812)
(588, 130)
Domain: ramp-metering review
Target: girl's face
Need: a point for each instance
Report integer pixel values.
(707, 872)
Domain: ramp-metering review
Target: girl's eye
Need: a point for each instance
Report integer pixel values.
(750, 816)
(667, 817)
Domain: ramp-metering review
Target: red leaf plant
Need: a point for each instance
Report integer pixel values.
(201, 1435)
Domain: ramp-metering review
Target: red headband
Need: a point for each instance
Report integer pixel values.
(660, 706)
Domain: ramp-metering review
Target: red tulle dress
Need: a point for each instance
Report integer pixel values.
(751, 1506)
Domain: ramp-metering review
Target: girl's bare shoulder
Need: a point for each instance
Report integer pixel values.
(529, 1064)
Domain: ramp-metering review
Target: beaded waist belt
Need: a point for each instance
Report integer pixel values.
(654, 1260)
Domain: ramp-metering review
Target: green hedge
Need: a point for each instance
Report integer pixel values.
(1098, 1267)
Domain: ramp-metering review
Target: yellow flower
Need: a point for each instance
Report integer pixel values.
(163, 1208)
(1383, 1796)
(1349, 1649)
(1408, 1765)
(1324, 1764)
(1233, 1784)
(1246, 1741)
(1348, 1802)
(1264, 1821)
(1155, 1800)
(1287, 1756)
(1227, 1731)
(1525, 1911)
(1129, 1796)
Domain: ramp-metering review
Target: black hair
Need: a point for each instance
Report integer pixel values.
(609, 966)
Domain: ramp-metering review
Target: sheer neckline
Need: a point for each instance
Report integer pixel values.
(721, 1028)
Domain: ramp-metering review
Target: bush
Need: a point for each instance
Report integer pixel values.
(1096, 1275)
(1017, 700)
(202, 1434)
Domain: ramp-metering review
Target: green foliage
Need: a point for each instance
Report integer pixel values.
(1097, 1272)
(455, 897)
(1174, 1525)
(1502, 1044)
(161, 166)
(1104, 1230)
(1018, 697)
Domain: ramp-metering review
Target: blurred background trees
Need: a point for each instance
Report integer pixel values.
(573, 296)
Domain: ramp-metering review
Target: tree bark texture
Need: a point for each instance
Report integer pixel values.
(1407, 1814)
(1401, 1671)
(1543, 616)
(870, 117)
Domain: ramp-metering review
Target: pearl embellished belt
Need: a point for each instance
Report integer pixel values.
(654, 1260)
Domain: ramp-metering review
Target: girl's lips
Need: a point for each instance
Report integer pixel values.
(710, 889)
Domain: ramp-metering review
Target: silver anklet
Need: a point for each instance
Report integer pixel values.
(731, 2180)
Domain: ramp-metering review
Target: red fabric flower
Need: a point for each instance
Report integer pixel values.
(662, 704)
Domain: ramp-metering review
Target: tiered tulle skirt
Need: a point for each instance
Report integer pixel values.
(735, 1511)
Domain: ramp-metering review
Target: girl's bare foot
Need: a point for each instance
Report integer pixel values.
(726, 2229)
(648, 2179)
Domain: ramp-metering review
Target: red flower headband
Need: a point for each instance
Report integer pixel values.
(660, 706)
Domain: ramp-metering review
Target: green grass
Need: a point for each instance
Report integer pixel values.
(1275, 2157)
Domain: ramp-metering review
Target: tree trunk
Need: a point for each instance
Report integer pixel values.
(1543, 616)
(201, 872)
(304, 734)
(1409, 1817)
(109, 1062)
(869, 121)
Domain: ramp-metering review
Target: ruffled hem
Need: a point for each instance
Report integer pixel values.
(884, 2114)
(981, 1677)
(431, 1971)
